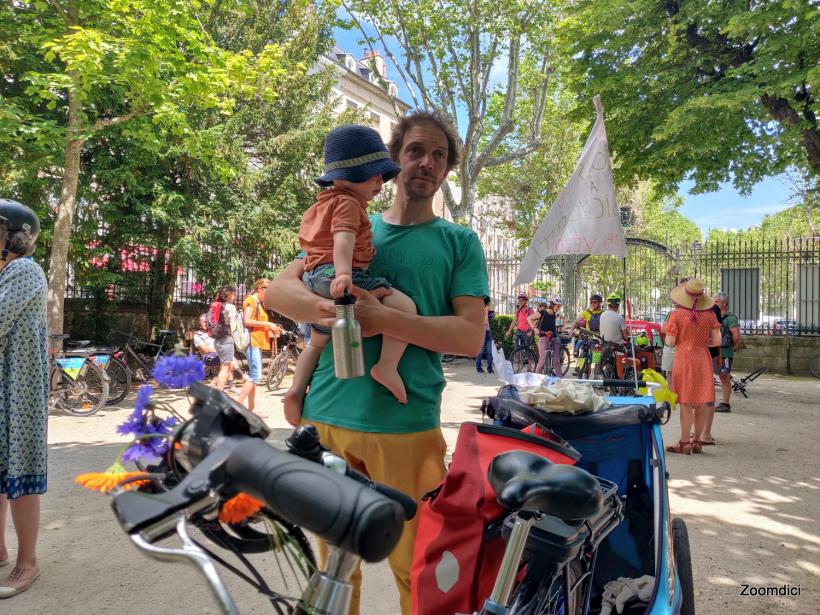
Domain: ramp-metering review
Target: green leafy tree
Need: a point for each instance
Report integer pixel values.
(81, 68)
(712, 91)
(450, 54)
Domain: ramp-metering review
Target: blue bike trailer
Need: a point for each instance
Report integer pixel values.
(623, 444)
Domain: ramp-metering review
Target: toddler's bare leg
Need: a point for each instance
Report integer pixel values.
(386, 371)
(305, 364)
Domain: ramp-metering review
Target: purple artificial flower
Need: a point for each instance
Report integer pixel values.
(135, 423)
(178, 372)
(138, 451)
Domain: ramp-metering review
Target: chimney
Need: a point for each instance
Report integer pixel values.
(374, 59)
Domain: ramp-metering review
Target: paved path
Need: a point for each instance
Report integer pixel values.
(751, 503)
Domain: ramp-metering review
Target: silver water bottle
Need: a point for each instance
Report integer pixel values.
(348, 357)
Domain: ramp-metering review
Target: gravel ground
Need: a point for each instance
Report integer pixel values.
(751, 504)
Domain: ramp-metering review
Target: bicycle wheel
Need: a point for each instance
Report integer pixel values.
(814, 366)
(87, 394)
(755, 374)
(565, 360)
(277, 371)
(119, 381)
(523, 359)
(561, 595)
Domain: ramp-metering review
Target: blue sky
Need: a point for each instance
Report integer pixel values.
(723, 209)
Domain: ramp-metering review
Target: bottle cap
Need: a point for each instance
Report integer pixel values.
(348, 299)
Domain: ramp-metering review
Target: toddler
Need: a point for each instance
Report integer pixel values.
(336, 238)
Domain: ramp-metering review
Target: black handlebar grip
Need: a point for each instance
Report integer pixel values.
(408, 504)
(624, 383)
(334, 507)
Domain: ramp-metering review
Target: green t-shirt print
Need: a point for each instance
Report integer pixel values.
(431, 263)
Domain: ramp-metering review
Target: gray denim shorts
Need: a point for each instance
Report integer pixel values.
(318, 281)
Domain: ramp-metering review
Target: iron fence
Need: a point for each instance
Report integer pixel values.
(773, 284)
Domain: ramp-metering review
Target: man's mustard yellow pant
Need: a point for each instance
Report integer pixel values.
(412, 463)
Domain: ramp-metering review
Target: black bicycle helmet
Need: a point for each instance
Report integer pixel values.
(21, 226)
(596, 297)
(17, 217)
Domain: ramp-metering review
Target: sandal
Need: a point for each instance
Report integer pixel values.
(697, 446)
(682, 448)
(711, 442)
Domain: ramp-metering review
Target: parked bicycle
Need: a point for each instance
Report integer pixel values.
(77, 384)
(288, 353)
(140, 356)
(119, 376)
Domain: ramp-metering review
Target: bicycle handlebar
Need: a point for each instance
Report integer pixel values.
(223, 448)
(335, 507)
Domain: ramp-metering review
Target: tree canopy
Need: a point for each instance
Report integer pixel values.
(711, 91)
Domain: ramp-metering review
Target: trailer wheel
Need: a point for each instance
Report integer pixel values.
(683, 564)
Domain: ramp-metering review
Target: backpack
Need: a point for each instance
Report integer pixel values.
(240, 334)
(595, 322)
(459, 547)
(215, 321)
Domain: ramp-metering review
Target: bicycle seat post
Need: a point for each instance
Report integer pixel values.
(498, 601)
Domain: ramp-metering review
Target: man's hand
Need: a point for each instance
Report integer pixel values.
(328, 308)
(341, 282)
(370, 313)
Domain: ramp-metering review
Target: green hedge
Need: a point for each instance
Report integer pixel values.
(498, 329)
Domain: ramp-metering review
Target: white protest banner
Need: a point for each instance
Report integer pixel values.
(584, 219)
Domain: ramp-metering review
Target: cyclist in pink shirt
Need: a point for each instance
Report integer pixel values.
(523, 331)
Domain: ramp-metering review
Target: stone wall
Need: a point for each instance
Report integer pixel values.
(84, 319)
(781, 354)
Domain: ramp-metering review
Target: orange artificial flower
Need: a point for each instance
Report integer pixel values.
(239, 508)
(112, 477)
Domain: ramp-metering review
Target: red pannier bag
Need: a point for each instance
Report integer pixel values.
(458, 548)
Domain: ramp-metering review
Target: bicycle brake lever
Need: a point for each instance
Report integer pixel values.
(193, 554)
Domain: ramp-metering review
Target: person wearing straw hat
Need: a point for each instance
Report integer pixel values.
(691, 329)
(336, 235)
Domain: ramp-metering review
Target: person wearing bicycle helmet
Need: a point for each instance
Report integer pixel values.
(613, 325)
(548, 336)
(23, 390)
(589, 318)
(520, 323)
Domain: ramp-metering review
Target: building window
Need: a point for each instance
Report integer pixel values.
(375, 118)
(352, 104)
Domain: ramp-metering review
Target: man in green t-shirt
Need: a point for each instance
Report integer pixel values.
(441, 267)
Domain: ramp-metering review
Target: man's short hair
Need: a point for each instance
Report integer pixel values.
(439, 121)
(722, 296)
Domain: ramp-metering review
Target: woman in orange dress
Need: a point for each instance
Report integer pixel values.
(691, 329)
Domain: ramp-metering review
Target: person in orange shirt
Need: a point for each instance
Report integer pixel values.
(336, 237)
(256, 319)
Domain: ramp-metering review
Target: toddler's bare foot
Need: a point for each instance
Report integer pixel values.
(294, 400)
(391, 380)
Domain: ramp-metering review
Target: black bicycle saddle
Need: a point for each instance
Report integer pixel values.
(525, 481)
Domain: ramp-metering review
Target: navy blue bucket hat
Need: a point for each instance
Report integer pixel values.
(356, 153)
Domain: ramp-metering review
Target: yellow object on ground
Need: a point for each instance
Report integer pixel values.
(661, 394)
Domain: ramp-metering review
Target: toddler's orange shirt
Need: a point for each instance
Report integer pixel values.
(335, 210)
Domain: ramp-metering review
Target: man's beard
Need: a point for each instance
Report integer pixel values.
(424, 191)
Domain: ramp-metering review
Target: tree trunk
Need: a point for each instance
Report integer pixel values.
(169, 278)
(784, 113)
(58, 265)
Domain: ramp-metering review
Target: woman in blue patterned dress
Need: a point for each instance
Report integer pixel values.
(23, 391)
